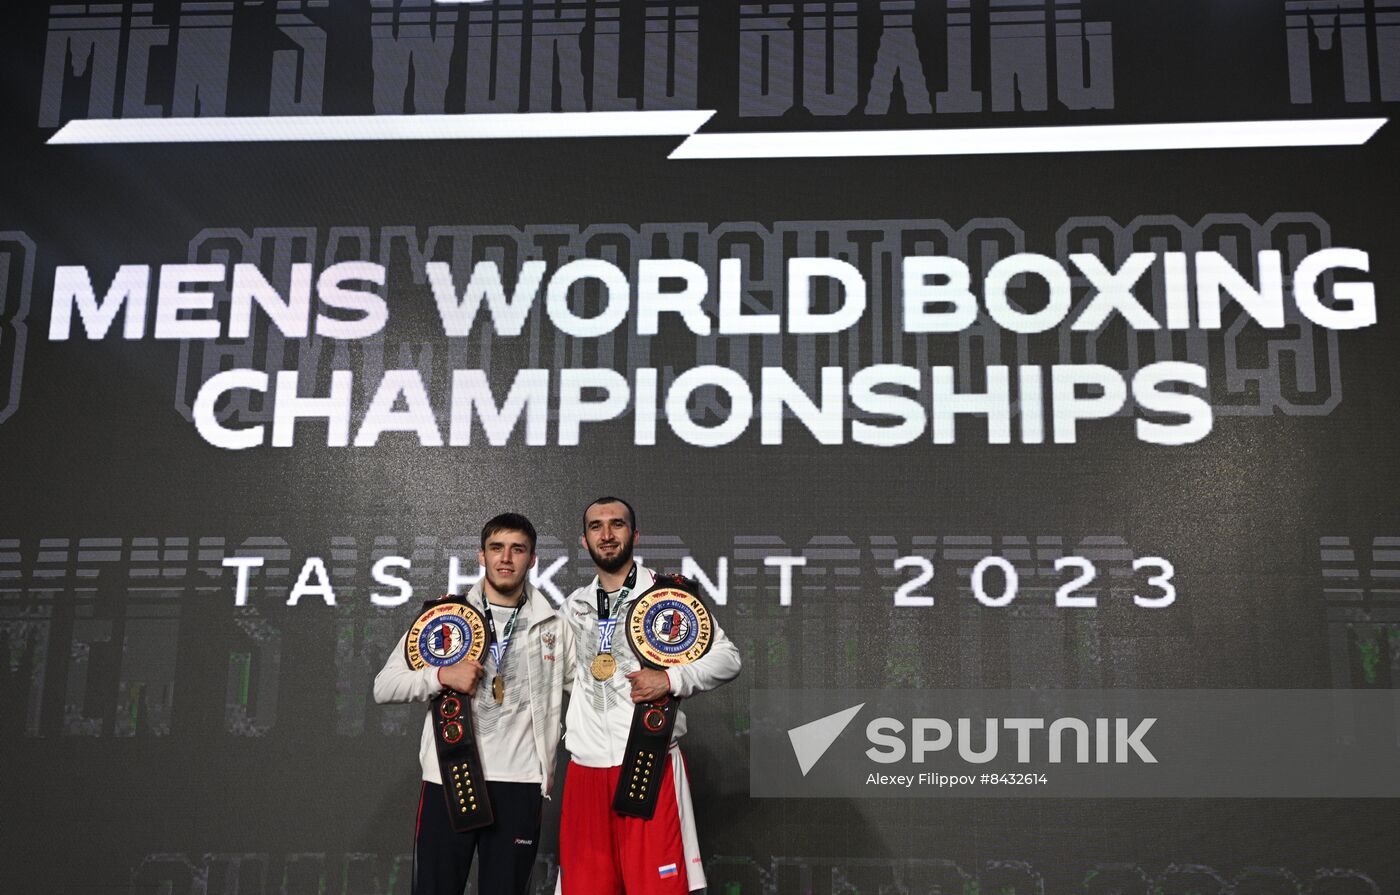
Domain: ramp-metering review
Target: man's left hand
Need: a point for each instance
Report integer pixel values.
(649, 684)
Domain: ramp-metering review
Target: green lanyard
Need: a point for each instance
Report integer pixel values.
(499, 648)
(607, 623)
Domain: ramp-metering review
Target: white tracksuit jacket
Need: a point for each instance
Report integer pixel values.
(548, 653)
(600, 712)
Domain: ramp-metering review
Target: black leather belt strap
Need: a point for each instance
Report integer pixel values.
(463, 783)
(644, 762)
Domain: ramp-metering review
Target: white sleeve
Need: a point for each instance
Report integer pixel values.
(396, 682)
(566, 651)
(719, 666)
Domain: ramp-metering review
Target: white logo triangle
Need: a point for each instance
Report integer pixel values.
(811, 740)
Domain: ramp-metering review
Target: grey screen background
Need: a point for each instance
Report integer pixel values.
(159, 739)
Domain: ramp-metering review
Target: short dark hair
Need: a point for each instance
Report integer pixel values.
(508, 522)
(631, 513)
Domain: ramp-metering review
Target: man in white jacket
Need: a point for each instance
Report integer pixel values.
(516, 699)
(601, 852)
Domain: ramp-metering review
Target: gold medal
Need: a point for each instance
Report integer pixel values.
(498, 689)
(604, 666)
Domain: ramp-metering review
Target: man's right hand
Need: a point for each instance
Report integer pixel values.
(462, 677)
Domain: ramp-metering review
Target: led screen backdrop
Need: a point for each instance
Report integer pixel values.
(1022, 345)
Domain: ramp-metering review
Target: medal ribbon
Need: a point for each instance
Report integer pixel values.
(498, 649)
(607, 621)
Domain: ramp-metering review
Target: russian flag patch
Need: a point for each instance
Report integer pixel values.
(666, 870)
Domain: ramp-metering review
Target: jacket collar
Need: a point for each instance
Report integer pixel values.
(645, 579)
(538, 605)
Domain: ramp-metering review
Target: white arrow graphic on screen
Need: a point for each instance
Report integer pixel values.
(811, 740)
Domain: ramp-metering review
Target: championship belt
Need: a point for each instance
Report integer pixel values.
(667, 626)
(448, 631)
